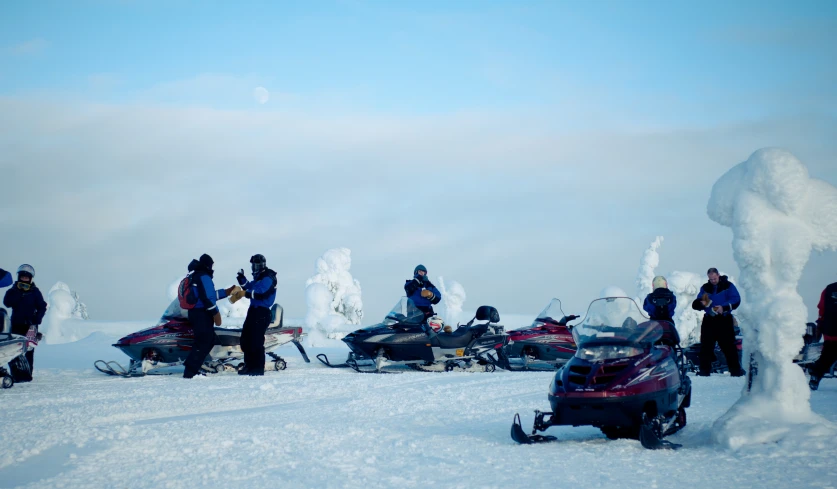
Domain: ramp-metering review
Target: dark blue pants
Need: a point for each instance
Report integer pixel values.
(826, 359)
(718, 329)
(252, 337)
(203, 327)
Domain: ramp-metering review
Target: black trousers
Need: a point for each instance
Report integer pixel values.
(203, 327)
(718, 329)
(826, 359)
(252, 337)
(19, 370)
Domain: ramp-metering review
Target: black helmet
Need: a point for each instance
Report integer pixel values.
(206, 261)
(258, 263)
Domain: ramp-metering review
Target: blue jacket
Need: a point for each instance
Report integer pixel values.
(5, 278)
(28, 306)
(660, 305)
(212, 295)
(413, 290)
(724, 294)
(262, 290)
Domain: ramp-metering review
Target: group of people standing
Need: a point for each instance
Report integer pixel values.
(204, 316)
(717, 298)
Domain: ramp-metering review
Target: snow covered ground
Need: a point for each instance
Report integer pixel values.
(311, 426)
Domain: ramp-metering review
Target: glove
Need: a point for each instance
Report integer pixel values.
(447, 329)
(241, 278)
(427, 294)
(236, 295)
(217, 318)
(705, 300)
(230, 290)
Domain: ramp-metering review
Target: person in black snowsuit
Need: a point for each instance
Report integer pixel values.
(827, 323)
(422, 292)
(262, 294)
(28, 309)
(204, 316)
(717, 298)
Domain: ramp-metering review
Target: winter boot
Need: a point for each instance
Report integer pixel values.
(814, 383)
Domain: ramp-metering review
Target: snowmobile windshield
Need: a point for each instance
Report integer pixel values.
(173, 312)
(551, 314)
(404, 311)
(616, 320)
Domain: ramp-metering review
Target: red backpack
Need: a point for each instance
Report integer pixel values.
(187, 292)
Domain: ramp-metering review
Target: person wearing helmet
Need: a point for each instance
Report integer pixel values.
(422, 292)
(5, 278)
(204, 316)
(28, 309)
(661, 303)
(262, 294)
(827, 323)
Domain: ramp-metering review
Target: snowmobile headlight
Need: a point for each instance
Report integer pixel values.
(607, 352)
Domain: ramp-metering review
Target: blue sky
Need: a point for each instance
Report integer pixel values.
(533, 143)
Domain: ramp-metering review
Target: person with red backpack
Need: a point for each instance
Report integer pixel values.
(198, 296)
(827, 323)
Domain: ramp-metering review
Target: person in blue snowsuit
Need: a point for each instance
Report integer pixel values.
(28, 309)
(660, 305)
(422, 292)
(204, 316)
(5, 278)
(262, 294)
(717, 298)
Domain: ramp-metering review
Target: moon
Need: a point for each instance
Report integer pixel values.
(261, 95)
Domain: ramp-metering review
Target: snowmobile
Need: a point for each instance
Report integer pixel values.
(811, 351)
(12, 349)
(405, 339)
(154, 350)
(627, 378)
(719, 362)
(546, 344)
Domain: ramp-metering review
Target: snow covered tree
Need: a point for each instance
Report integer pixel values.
(778, 215)
(332, 295)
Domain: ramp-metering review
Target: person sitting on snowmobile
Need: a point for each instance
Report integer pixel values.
(827, 323)
(423, 293)
(262, 294)
(5, 278)
(28, 309)
(717, 298)
(204, 316)
(661, 303)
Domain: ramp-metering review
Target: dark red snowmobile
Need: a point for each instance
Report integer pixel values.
(627, 378)
(547, 343)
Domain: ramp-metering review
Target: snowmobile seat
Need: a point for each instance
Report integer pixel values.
(276, 317)
(670, 336)
(227, 337)
(458, 339)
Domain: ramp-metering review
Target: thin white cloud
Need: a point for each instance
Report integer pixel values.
(30, 47)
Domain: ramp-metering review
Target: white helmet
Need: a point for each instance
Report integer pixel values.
(659, 282)
(29, 269)
(435, 323)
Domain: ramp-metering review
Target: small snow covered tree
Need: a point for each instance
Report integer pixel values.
(453, 297)
(332, 295)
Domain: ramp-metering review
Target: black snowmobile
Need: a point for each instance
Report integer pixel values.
(627, 378)
(405, 339)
